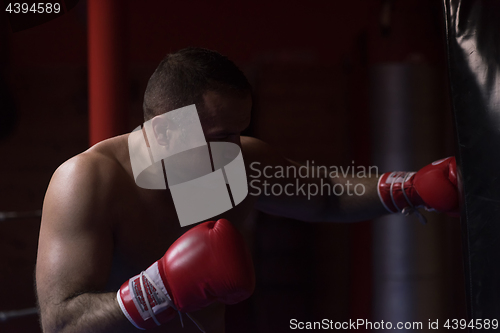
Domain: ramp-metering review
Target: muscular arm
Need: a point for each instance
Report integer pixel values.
(304, 204)
(75, 251)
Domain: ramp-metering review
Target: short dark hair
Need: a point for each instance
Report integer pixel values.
(182, 77)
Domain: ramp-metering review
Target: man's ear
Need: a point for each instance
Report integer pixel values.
(160, 127)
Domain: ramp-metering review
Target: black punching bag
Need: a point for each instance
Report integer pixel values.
(473, 38)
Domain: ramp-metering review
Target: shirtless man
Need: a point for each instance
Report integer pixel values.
(99, 228)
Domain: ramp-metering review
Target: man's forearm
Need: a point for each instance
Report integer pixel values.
(433, 187)
(324, 199)
(358, 201)
(87, 312)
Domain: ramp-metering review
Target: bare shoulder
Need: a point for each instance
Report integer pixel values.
(255, 150)
(102, 163)
(90, 169)
(79, 215)
(88, 181)
(249, 142)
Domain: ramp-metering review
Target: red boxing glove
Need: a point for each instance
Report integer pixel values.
(434, 188)
(209, 263)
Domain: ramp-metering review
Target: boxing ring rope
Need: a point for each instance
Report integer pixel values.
(8, 315)
(4, 216)
(106, 89)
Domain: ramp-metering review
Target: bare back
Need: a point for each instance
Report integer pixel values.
(100, 229)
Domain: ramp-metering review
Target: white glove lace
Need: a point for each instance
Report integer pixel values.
(150, 310)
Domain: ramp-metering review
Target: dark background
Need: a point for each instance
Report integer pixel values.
(309, 63)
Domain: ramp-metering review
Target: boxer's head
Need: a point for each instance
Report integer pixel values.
(208, 79)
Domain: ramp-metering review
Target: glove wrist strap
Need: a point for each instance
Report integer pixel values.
(396, 192)
(145, 301)
(392, 188)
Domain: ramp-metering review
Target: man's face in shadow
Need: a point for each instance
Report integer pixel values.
(222, 117)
